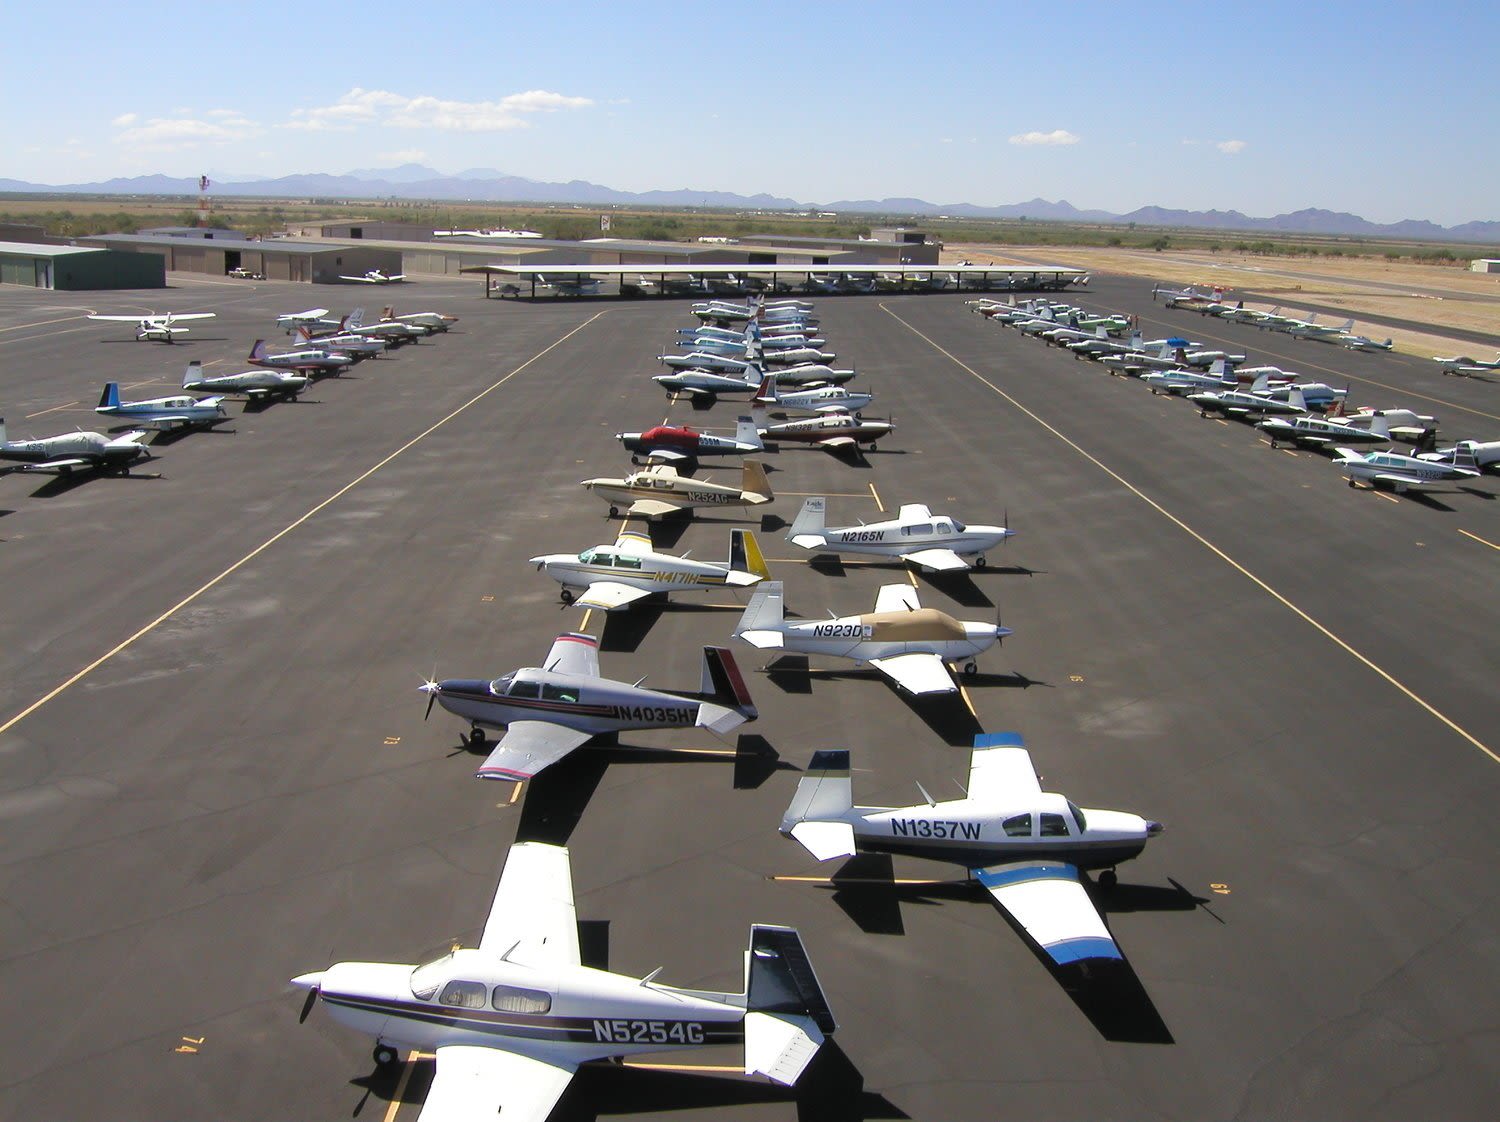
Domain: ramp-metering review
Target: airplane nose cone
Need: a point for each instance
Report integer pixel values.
(1153, 828)
(309, 981)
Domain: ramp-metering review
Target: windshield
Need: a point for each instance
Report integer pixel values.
(425, 980)
(1078, 816)
(500, 685)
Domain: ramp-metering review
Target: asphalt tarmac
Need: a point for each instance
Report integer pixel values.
(216, 773)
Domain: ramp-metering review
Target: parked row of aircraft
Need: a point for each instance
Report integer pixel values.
(1212, 303)
(1313, 415)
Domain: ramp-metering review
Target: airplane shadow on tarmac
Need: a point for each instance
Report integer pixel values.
(831, 1089)
(1107, 992)
(625, 631)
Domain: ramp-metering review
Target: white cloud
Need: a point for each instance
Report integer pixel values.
(170, 133)
(403, 156)
(1231, 147)
(1054, 138)
(125, 119)
(381, 107)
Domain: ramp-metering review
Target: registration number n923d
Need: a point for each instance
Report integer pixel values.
(649, 1032)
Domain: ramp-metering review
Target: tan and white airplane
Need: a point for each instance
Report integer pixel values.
(660, 490)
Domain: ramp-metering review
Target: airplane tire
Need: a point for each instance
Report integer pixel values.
(980, 562)
(567, 595)
(1108, 879)
(614, 511)
(971, 668)
(384, 1055)
(476, 736)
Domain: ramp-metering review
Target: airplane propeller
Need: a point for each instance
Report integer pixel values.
(311, 1000)
(432, 689)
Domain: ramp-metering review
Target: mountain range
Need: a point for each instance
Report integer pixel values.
(414, 181)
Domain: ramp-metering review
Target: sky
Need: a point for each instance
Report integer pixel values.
(1390, 111)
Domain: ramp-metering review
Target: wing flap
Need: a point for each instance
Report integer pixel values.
(607, 595)
(532, 920)
(1048, 900)
(918, 672)
(474, 1084)
(527, 747)
(939, 560)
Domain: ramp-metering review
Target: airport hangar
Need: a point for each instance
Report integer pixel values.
(212, 252)
(67, 268)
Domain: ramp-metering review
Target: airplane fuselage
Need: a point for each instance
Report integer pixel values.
(650, 571)
(681, 490)
(887, 634)
(581, 702)
(891, 539)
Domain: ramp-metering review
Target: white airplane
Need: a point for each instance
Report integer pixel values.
(511, 1020)
(616, 576)
(834, 432)
(432, 321)
(384, 327)
(667, 444)
(254, 384)
(356, 346)
(1244, 403)
(1486, 453)
(936, 543)
(501, 232)
(906, 642)
(1321, 432)
(1327, 333)
(1218, 377)
(659, 490)
(1364, 343)
(1398, 472)
(1188, 297)
(85, 450)
(823, 399)
(157, 329)
(311, 359)
(569, 285)
(698, 382)
(312, 318)
(375, 276)
(1027, 847)
(1401, 424)
(180, 411)
(550, 710)
(1463, 366)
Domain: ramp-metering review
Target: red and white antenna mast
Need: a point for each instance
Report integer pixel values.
(203, 200)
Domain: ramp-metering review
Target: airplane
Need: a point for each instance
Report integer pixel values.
(1136, 361)
(1321, 432)
(799, 373)
(163, 413)
(1203, 359)
(1278, 384)
(1364, 343)
(836, 432)
(314, 361)
(254, 384)
(1027, 847)
(569, 285)
(1486, 453)
(708, 383)
(375, 276)
(659, 490)
(87, 450)
(157, 329)
(1401, 424)
(935, 543)
(1180, 381)
(680, 444)
(616, 576)
(752, 353)
(825, 399)
(1242, 403)
(1399, 472)
(1188, 297)
(510, 1020)
(312, 318)
(909, 644)
(501, 232)
(1326, 333)
(432, 321)
(355, 346)
(1463, 366)
(385, 328)
(550, 710)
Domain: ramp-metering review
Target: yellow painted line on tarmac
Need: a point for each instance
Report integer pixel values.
(54, 409)
(1305, 616)
(736, 1068)
(588, 614)
(858, 880)
(276, 537)
(1480, 540)
(969, 701)
(1383, 495)
(515, 792)
(1288, 452)
(397, 1101)
(876, 495)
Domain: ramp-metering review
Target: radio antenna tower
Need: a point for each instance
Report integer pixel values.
(204, 202)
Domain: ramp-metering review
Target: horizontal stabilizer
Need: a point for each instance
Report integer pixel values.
(780, 1046)
(716, 718)
(825, 840)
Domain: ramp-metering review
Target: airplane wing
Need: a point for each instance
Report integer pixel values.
(474, 1083)
(841, 441)
(527, 747)
(532, 920)
(359, 280)
(941, 560)
(175, 316)
(896, 598)
(1395, 478)
(914, 512)
(58, 465)
(126, 319)
(919, 672)
(636, 537)
(1000, 768)
(607, 595)
(1048, 900)
(651, 508)
(574, 653)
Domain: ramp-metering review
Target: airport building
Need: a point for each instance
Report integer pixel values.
(215, 253)
(852, 251)
(1485, 265)
(68, 268)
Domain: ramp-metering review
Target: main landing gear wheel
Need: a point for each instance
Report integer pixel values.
(383, 1055)
(476, 736)
(614, 511)
(1108, 879)
(567, 595)
(971, 668)
(980, 562)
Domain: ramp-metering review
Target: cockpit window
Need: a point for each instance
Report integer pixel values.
(425, 980)
(1018, 826)
(559, 693)
(525, 689)
(624, 562)
(514, 999)
(464, 995)
(959, 527)
(1078, 816)
(1054, 826)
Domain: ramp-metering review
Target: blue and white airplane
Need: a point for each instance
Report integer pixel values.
(510, 1020)
(1027, 847)
(179, 411)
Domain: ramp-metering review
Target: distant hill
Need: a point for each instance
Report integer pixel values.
(415, 181)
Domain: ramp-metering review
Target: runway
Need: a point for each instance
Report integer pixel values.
(217, 774)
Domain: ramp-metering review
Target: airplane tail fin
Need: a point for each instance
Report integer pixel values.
(2, 430)
(1219, 368)
(357, 318)
(745, 555)
(787, 1018)
(766, 613)
(1378, 426)
(825, 793)
(765, 393)
(193, 372)
(753, 480)
(747, 433)
(1463, 456)
(302, 334)
(1261, 384)
(1337, 408)
(258, 350)
(110, 398)
(723, 683)
(1295, 399)
(810, 519)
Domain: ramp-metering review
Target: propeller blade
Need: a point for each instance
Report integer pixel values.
(312, 997)
(431, 688)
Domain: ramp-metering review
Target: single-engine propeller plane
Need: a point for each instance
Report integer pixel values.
(616, 576)
(157, 329)
(938, 543)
